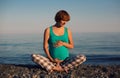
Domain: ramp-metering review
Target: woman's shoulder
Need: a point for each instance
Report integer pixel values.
(68, 29)
(47, 29)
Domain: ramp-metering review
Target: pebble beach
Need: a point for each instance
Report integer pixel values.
(82, 71)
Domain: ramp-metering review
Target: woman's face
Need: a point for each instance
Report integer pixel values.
(62, 23)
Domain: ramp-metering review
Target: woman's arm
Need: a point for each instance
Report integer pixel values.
(68, 45)
(45, 43)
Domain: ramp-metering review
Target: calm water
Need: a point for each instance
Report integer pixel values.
(100, 48)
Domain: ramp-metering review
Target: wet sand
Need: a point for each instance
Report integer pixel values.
(82, 71)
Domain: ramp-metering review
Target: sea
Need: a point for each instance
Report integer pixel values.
(100, 48)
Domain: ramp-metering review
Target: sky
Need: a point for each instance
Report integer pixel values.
(33, 16)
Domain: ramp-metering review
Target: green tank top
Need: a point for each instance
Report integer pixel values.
(60, 52)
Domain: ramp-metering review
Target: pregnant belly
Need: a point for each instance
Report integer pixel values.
(60, 52)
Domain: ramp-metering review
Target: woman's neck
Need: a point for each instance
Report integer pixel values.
(58, 25)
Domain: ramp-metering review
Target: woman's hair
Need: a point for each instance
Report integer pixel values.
(62, 15)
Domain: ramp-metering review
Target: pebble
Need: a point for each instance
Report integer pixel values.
(82, 71)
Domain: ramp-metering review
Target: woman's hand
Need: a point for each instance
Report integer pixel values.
(61, 43)
(58, 61)
(51, 59)
(58, 43)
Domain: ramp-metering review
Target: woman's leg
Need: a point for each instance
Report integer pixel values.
(73, 62)
(43, 62)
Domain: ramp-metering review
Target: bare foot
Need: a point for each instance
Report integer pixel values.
(58, 68)
(50, 71)
(66, 70)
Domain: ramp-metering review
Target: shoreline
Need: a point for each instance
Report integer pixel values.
(82, 71)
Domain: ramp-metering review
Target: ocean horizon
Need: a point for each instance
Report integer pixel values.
(99, 48)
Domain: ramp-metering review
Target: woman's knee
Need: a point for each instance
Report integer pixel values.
(33, 56)
(82, 57)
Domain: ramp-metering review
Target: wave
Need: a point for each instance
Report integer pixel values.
(104, 57)
(91, 59)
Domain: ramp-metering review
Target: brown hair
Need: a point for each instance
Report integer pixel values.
(62, 15)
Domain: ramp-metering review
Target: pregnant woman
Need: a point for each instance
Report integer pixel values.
(57, 41)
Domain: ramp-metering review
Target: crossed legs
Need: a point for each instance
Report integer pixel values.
(60, 65)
